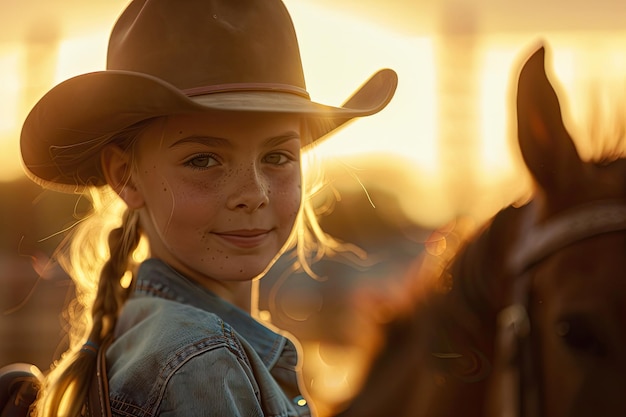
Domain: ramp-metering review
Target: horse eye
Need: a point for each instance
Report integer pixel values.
(578, 334)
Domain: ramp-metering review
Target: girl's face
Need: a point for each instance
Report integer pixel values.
(218, 193)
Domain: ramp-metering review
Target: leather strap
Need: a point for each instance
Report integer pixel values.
(98, 402)
(517, 390)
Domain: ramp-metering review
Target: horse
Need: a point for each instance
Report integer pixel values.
(529, 316)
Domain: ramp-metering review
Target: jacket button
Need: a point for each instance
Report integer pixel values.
(300, 401)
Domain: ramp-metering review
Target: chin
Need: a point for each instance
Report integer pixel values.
(255, 269)
(248, 272)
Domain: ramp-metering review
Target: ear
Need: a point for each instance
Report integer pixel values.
(117, 168)
(547, 148)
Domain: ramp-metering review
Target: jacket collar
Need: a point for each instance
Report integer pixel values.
(157, 279)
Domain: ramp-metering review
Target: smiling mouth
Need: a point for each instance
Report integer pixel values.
(244, 238)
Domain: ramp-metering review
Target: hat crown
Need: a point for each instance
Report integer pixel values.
(201, 43)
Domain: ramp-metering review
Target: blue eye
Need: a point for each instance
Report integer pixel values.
(202, 161)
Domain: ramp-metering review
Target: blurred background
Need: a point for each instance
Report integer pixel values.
(443, 151)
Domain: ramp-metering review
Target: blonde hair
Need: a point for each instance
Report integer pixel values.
(101, 255)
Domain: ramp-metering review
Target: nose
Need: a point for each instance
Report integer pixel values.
(250, 189)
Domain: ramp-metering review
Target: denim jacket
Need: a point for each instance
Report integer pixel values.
(180, 350)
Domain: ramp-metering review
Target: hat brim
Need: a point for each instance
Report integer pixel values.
(77, 113)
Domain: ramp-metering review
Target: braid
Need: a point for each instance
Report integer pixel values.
(98, 256)
(111, 293)
(66, 394)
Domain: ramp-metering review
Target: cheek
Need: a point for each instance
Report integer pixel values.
(195, 202)
(156, 189)
(288, 196)
(171, 202)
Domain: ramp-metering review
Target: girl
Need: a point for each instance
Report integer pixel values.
(188, 146)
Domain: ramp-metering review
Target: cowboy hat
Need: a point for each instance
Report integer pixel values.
(179, 56)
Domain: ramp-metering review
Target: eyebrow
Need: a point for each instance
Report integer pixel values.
(287, 136)
(217, 141)
(205, 140)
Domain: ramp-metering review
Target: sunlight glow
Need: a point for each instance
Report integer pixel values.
(336, 65)
(338, 58)
(593, 76)
(80, 55)
(10, 106)
(9, 87)
(494, 83)
(501, 62)
(335, 371)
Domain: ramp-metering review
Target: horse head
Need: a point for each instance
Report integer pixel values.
(529, 317)
(559, 351)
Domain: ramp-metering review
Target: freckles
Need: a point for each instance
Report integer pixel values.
(213, 254)
(147, 171)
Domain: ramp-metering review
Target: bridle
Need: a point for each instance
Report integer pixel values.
(517, 390)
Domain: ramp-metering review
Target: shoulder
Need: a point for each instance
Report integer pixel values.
(157, 327)
(158, 341)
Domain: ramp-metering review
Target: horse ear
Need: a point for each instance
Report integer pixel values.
(546, 146)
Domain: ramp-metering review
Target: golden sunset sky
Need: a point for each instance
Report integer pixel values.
(446, 134)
